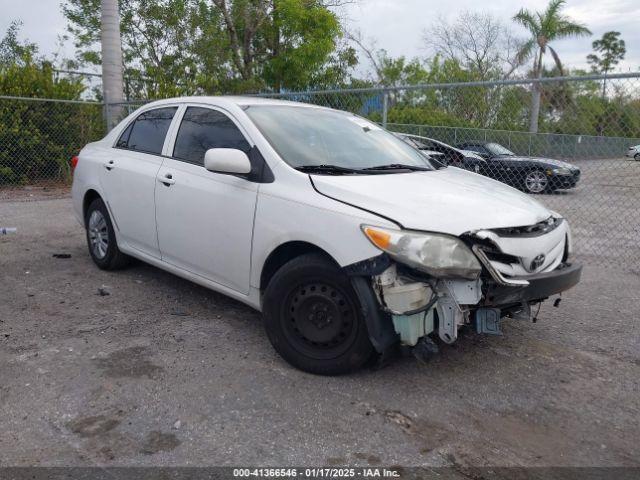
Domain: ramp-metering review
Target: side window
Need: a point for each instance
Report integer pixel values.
(204, 128)
(483, 151)
(123, 141)
(148, 132)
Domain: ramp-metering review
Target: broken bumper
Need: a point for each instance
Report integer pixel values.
(539, 287)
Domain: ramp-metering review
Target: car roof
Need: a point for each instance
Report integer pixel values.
(227, 100)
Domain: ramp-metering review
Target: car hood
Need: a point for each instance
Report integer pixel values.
(540, 160)
(449, 200)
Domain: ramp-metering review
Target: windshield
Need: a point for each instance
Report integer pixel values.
(307, 137)
(497, 149)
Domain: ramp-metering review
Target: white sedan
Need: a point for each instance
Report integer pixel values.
(349, 240)
(633, 152)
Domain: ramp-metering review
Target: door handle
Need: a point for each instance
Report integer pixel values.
(167, 179)
(109, 165)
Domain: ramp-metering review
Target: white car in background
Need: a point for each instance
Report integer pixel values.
(634, 152)
(350, 241)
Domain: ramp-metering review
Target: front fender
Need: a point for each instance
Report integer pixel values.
(326, 224)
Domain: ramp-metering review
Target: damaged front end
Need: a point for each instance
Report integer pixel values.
(419, 304)
(433, 284)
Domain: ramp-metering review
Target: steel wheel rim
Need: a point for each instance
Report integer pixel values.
(536, 181)
(319, 320)
(98, 234)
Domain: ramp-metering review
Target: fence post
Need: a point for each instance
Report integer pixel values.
(385, 107)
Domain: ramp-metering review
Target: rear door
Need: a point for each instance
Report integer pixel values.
(128, 178)
(205, 219)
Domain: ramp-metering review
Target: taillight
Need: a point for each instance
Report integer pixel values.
(73, 162)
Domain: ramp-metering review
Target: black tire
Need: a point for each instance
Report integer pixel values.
(636, 157)
(313, 317)
(112, 258)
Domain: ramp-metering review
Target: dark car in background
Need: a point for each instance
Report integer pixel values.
(446, 154)
(531, 174)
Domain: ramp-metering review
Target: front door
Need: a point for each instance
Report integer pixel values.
(205, 219)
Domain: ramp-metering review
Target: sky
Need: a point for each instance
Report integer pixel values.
(396, 25)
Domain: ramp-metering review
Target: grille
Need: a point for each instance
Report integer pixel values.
(540, 228)
(495, 256)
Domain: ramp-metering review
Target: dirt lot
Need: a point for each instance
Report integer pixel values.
(158, 371)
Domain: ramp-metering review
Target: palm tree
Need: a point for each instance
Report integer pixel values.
(545, 27)
(112, 83)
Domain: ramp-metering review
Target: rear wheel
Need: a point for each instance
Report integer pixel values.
(636, 157)
(536, 181)
(313, 317)
(101, 238)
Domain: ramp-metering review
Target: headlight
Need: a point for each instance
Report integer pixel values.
(438, 255)
(561, 171)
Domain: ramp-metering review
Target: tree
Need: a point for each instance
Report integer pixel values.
(39, 137)
(477, 41)
(285, 42)
(612, 49)
(112, 81)
(12, 51)
(545, 27)
(389, 71)
(173, 47)
(158, 41)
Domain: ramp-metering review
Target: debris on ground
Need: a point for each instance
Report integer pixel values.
(103, 292)
(61, 255)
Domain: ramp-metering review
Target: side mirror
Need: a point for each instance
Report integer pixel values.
(227, 160)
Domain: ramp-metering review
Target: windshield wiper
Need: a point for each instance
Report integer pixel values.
(329, 169)
(399, 166)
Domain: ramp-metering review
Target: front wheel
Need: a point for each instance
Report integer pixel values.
(313, 317)
(636, 157)
(536, 181)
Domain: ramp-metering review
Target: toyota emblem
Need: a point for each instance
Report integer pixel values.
(537, 262)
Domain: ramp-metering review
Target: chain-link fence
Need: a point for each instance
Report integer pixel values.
(582, 161)
(38, 137)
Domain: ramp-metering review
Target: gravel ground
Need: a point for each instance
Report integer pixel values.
(158, 371)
